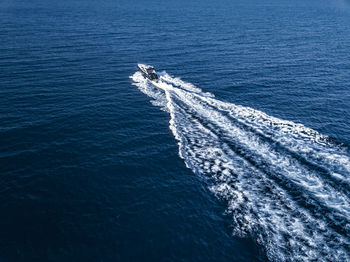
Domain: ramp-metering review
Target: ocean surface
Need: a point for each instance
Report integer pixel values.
(241, 152)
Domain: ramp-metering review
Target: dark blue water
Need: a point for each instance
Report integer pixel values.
(90, 170)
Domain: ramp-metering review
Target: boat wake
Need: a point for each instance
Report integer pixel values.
(286, 185)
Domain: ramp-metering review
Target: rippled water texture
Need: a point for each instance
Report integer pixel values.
(256, 95)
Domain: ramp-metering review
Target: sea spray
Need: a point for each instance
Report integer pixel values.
(286, 185)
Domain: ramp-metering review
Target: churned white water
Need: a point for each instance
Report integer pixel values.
(285, 184)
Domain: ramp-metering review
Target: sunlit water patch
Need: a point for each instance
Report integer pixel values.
(285, 184)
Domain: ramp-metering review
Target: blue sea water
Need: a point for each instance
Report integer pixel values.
(242, 154)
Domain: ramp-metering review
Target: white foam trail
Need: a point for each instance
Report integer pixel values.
(285, 184)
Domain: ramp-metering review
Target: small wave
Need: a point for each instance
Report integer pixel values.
(286, 185)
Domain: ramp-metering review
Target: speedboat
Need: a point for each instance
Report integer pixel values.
(148, 71)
